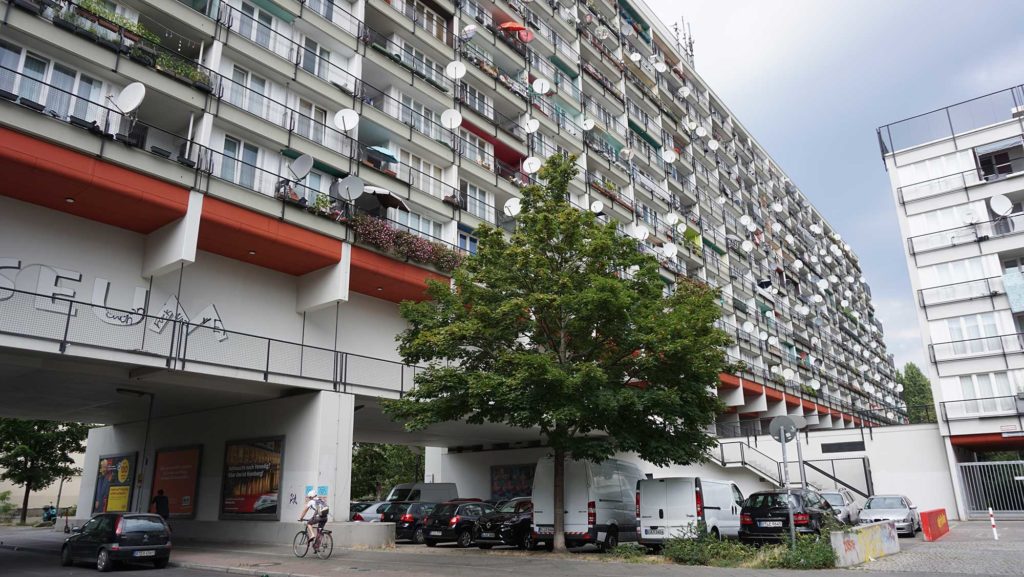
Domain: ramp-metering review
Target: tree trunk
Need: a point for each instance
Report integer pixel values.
(60, 489)
(559, 499)
(24, 503)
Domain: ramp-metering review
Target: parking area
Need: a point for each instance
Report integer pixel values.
(968, 549)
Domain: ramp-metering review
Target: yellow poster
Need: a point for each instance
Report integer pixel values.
(117, 498)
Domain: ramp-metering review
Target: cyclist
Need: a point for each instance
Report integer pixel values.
(318, 508)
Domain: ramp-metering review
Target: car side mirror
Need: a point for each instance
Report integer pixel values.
(913, 506)
(76, 529)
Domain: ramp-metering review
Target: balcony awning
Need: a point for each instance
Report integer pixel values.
(321, 166)
(639, 130)
(571, 71)
(713, 246)
(274, 9)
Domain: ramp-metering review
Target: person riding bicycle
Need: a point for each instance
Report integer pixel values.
(319, 509)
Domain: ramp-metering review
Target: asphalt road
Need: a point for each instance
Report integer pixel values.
(30, 564)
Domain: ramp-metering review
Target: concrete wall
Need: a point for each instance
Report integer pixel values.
(48, 496)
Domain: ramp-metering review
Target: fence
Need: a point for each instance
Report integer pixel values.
(998, 485)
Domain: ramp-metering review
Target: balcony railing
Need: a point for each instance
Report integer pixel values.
(1008, 344)
(939, 186)
(336, 15)
(961, 291)
(979, 232)
(431, 23)
(985, 407)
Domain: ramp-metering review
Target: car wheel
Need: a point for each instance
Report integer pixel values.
(715, 534)
(611, 539)
(418, 536)
(430, 543)
(65, 557)
(161, 563)
(465, 539)
(103, 562)
(549, 545)
(525, 542)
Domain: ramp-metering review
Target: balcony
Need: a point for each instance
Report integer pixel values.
(427, 30)
(983, 415)
(1008, 346)
(990, 231)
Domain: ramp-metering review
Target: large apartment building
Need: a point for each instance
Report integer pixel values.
(250, 186)
(954, 174)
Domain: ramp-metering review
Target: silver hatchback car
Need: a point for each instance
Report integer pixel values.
(897, 508)
(843, 504)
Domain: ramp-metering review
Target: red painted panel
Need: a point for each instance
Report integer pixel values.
(727, 381)
(934, 524)
(385, 278)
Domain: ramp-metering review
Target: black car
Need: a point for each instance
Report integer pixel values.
(510, 524)
(408, 517)
(108, 538)
(454, 521)
(765, 515)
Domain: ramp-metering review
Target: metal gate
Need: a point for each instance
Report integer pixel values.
(999, 485)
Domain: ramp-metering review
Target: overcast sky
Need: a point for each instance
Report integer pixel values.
(813, 79)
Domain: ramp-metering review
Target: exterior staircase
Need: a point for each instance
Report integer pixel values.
(822, 474)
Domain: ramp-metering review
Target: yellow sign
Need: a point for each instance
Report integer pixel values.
(123, 470)
(117, 498)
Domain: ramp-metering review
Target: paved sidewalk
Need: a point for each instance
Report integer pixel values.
(968, 548)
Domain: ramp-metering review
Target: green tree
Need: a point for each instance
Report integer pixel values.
(34, 454)
(566, 327)
(376, 468)
(5, 503)
(917, 392)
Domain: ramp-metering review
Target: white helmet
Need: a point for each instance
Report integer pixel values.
(311, 494)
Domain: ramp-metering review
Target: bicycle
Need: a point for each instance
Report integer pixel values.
(323, 543)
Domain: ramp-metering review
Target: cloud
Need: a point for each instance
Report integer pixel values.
(1001, 67)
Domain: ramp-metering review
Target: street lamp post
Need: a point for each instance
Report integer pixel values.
(145, 443)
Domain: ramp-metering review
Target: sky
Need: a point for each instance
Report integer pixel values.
(812, 80)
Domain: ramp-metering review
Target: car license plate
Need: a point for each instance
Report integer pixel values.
(655, 531)
(769, 523)
(435, 533)
(144, 553)
(487, 535)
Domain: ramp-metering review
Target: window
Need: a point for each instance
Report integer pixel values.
(256, 25)
(312, 121)
(422, 64)
(477, 201)
(312, 185)
(1013, 264)
(421, 174)
(953, 272)
(428, 20)
(476, 149)
(737, 496)
(477, 100)
(415, 223)
(985, 386)
(468, 242)
(999, 159)
(418, 116)
(315, 58)
(239, 162)
(248, 91)
(967, 334)
(33, 76)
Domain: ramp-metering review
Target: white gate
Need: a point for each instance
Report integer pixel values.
(999, 485)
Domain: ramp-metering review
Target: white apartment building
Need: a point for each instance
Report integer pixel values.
(956, 177)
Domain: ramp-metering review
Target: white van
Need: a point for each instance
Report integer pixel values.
(430, 492)
(599, 505)
(672, 507)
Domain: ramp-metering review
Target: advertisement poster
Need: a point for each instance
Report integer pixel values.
(252, 478)
(508, 481)
(176, 473)
(115, 478)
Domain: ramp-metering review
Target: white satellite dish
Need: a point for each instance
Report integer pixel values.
(455, 70)
(747, 246)
(776, 227)
(833, 279)
(692, 125)
(660, 67)
(720, 199)
(588, 124)
(348, 188)
(790, 239)
(681, 228)
(763, 335)
(513, 207)
(602, 33)
(798, 264)
(815, 384)
(541, 86)
(777, 206)
(301, 166)
(671, 218)
(818, 299)
(130, 97)
(702, 132)
(844, 303)
(998, 204)
(822, 284)
(713, 144)
(346, 119)
(669, 155)
(669, 250)
(788, 373)
(469, 31)
(626, 154)
(451, 118)
(748, 327)
(773, 340)
(532, 125)
(532, 164)
(828, 260)
(683, 92)
(745, 220)
(641, 232)
(597, 207)
(751, 227)
(775, 369)
(635, 57)
(848, 279)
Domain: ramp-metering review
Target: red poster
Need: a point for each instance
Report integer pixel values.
(252, 479)
(176, 473)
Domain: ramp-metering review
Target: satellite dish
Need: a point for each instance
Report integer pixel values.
(670, 250)
(602, 33)
(532, 164)
(763, 335)
(790, 239)
(348, 188)
(998, 204)
(660, 67)
(641, 232)
(681, 228)
(469, 31)
(822, 284)
(776, 227)
(346, 119)
(773, 340)
(541, 86)
(713, 144)
(669, 155)
(702, 132)
(788, 373)
(626, 154)
(130, 97)
(777, 206)
(747, 246)
(526, 36)
(671, 218)
(798, 264)
(720, 199)
(899, 388)
(597, 207)
(818, 299)
(588, 124)
(745, 220)
(301, 166)
(635, 57)
(815, 384)
(751, 227)
(513, 207)
(844, 303)
(532, 125)
(628, 31)
(692, 125)
(455, 70)
(828, 260)
(683, 92)
(451, 118)
(748, 327)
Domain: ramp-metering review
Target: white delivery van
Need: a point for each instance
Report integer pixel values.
(599, 504)
(673, 506)
(430, 492)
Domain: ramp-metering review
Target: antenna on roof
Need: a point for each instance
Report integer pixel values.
(684, 39)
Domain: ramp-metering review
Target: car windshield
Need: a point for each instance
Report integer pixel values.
(357, 507)
(402, 494)
(398, 508)
(508, 507)
(423, 508)
(769, 500)
(885, 503)
(143, 524)
(444, 510)
(834, 499)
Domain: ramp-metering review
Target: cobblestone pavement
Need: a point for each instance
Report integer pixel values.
(968, 549)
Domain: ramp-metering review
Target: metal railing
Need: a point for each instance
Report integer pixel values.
(985, 407)
(978, 232)
(1012, 343)
(941, 185)
(961, 291)
(996, 485)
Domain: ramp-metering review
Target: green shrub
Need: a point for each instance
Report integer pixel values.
(628, 551)
(811, 552)
(702, 548)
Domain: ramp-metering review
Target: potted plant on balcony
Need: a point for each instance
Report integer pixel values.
(321, 206)
(87, 30)
(144, 53)
(66, 20)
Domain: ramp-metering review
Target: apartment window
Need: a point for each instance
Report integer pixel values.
(239, 162)
(315, 58)
(1014, 264)
(953, 272)
(421, 174)
(324, 8)
(428, 20)
(33, 76)
(476, 149)
(647, 214)
(247, 91)
(970, 334)
(424, 65)
(477, 100)
(477, 201)
(468, 243)
(992, 389)
(947, 218)
(313, 185)
(312, 121)
(418, 116)
(999, 159)
(256, 25)
(416, 223)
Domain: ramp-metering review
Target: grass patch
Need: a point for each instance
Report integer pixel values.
(630, 552)
(701, 548)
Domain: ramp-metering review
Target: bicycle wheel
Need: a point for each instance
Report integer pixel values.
(300, 545)
(326, 546)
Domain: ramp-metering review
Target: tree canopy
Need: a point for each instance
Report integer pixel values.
(917, 393)
(567, 327)
(376, 468)
(34, 454)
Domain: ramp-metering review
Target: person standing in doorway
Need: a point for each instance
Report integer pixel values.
(161, 504)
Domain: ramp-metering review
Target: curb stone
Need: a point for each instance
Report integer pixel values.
(28, 549)
(236, 570)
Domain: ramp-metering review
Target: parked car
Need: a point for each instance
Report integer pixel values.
(599, 502)
(454, 521)
(509, 524)
(408, 518)
(843, 504)
(372, 513)
(428, 492)
(896, 508)
(672, 507)
(357, 507)
(765, 514)
(109, 538)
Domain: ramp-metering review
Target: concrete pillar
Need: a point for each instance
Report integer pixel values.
(174, 244)
(333, 450)
(433, 468)
(325, 286)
